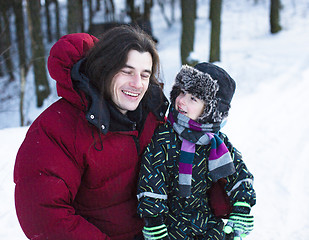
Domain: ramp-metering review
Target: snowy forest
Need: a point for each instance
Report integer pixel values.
(29, 28)
(268, 57)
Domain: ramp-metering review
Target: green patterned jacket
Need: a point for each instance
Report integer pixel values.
(158, 187)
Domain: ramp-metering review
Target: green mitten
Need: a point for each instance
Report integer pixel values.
(240, 221)
(155, 232)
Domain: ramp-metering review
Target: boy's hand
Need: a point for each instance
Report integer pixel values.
(156, 233)
(240, 221)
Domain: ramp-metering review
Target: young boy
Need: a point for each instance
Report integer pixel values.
(189, 159)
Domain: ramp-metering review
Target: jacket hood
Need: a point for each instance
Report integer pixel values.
(64, 63)
(97, 111)
(67, 51)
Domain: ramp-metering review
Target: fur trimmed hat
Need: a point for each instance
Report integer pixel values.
(209, 83)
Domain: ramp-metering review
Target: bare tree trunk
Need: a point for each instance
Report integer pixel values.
(1, 50)
(48, 21)
(131, 10)
(4, 8)
(98, 5)
(23, 69)
(173, 10)
(112, 7)
(162, 6)
(58, 31)
(188, 31)
(194, 2)
(215, 13)
(38, 52)
(210, 10)
(73, 14)
(109, 10)
(147, 9)
(275, 16)
(22, 94)
(90, 12)
(81, 16)
(20, 34)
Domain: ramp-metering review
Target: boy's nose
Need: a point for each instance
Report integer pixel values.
(183, 100)
(182, 104)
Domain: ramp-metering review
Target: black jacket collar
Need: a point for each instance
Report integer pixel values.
(106, 117)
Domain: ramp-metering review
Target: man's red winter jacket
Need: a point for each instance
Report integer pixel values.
(72, 181)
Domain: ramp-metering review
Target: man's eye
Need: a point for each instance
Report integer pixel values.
(127, 72)
(145, 76)
(193, 99)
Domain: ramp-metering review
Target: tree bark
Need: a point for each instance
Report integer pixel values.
(161, 3)
(215, 13)
(98, 5)
(1, 50)
(275, 16)
(90, 12)
(130, 5)
(6, 35)
(147, 9)
(58, 30)
(75, 18)
(172, 11)
(188, 31)
(210, 9)
(38, 52)
(81, 16)
(22, 95)
(23, 65)
(20, 34)
(48, 21)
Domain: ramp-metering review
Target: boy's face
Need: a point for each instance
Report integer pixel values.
(131, 82)
(189, 105)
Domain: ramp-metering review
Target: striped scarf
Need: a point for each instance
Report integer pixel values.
(192, 133)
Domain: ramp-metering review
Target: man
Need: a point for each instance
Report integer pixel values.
(76, 171)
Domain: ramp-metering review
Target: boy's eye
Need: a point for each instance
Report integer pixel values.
(193, 99)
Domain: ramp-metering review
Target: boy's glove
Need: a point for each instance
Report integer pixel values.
(155, 229)
(157, 232)
(240, 221)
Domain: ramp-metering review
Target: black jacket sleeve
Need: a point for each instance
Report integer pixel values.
(239, 185)
(152, 186)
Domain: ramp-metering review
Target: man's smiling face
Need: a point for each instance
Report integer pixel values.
(131, 82)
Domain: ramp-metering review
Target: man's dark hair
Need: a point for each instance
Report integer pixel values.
(110, 53)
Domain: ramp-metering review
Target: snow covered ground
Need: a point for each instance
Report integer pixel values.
(268, 120)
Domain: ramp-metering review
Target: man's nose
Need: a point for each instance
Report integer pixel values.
(136, 81)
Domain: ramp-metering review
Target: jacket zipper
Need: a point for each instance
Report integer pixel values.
(136, 140)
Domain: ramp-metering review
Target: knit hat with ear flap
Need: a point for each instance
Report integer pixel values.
(209, 83)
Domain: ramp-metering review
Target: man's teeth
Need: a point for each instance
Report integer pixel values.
(131, 94)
